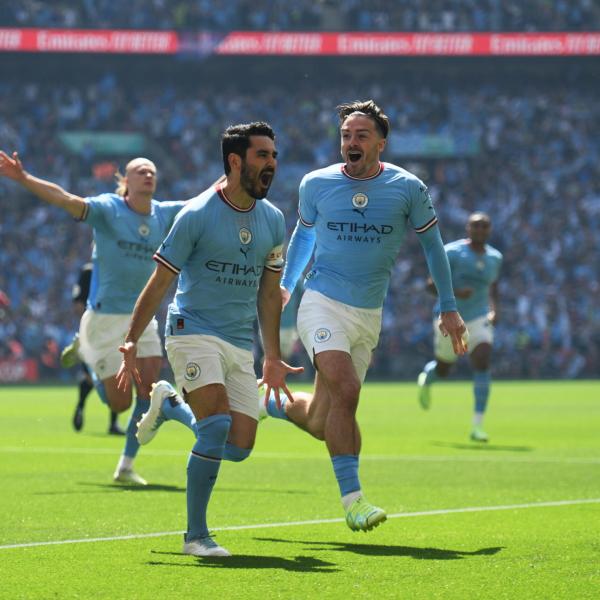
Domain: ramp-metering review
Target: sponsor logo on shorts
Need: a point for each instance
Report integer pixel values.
(101, 366)
(192, 371)
(245, 235)
(322, 335)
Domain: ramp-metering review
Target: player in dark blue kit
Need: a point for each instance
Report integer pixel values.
(128, 227)
(225, 248)
(70, 356)
(354, 215)
(475, 269)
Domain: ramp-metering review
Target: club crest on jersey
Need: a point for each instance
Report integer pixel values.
(192, 371)
(245, 235)
(360, 200)
(322, 335)
(144, 230)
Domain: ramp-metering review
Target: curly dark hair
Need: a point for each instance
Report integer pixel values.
(236, 139)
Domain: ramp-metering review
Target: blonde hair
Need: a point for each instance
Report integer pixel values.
(122, 179)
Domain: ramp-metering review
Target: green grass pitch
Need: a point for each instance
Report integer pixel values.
(516, 518)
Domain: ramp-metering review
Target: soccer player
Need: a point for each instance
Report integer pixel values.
(70, 356)
(225, 248)
(128, 226)
(475, 268)
(356, 213)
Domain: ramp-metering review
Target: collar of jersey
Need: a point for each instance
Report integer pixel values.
(126, 200)
(381, 167)
(219, 190)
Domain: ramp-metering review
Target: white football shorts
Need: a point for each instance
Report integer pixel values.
(481, 331)
(198, 360)
(326, 324)
(100, 336)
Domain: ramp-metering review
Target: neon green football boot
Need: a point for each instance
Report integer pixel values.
(69, 357)
(424, 391)
(479, 435)
(362, 516)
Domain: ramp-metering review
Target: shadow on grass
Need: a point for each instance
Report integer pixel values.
(483, 447)
(299, 564)
(378, 550)
(275, 491)
(125, 487)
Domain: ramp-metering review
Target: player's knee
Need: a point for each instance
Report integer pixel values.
(235, 453)
(119, 403)
(348, 393)
(318, 432)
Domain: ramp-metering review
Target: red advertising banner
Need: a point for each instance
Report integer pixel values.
(411, 44)
(300, 44)
(89, 40)
(12, 370)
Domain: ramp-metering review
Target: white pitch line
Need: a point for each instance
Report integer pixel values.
(584, 460)
(426, 513)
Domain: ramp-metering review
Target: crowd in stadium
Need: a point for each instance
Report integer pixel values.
(308, 15)
(536, 172)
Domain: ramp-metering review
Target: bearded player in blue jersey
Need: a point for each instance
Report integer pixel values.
(128, 227)
(475, 268)
(354, 215)
(225, 248)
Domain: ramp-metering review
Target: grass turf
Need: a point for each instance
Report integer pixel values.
(57, 485)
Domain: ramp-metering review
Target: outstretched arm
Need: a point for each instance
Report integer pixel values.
(47, 191)
(145, 308)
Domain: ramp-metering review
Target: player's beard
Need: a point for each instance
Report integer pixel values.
(251, 183)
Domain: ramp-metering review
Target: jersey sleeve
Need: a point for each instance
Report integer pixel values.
(421, 213)
(307, 210)
(98, 212)
(171, 209)
(451, 254)
(180, 241)
(498, 266)
(274, 261)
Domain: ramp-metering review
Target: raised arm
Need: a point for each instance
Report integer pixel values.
(12, 168)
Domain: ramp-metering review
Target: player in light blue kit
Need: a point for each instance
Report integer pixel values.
(226, 248)
(128, 227)
(475, 268)
(356, 214)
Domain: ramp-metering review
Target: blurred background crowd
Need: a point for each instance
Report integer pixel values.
(308, 15)
(521, 146)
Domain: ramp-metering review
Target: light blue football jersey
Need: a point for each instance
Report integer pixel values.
(473, 270)
(360, 225)
(124, 242)
(219, 252)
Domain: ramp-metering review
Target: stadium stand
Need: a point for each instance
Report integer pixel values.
(309, 15)
(529, 157)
